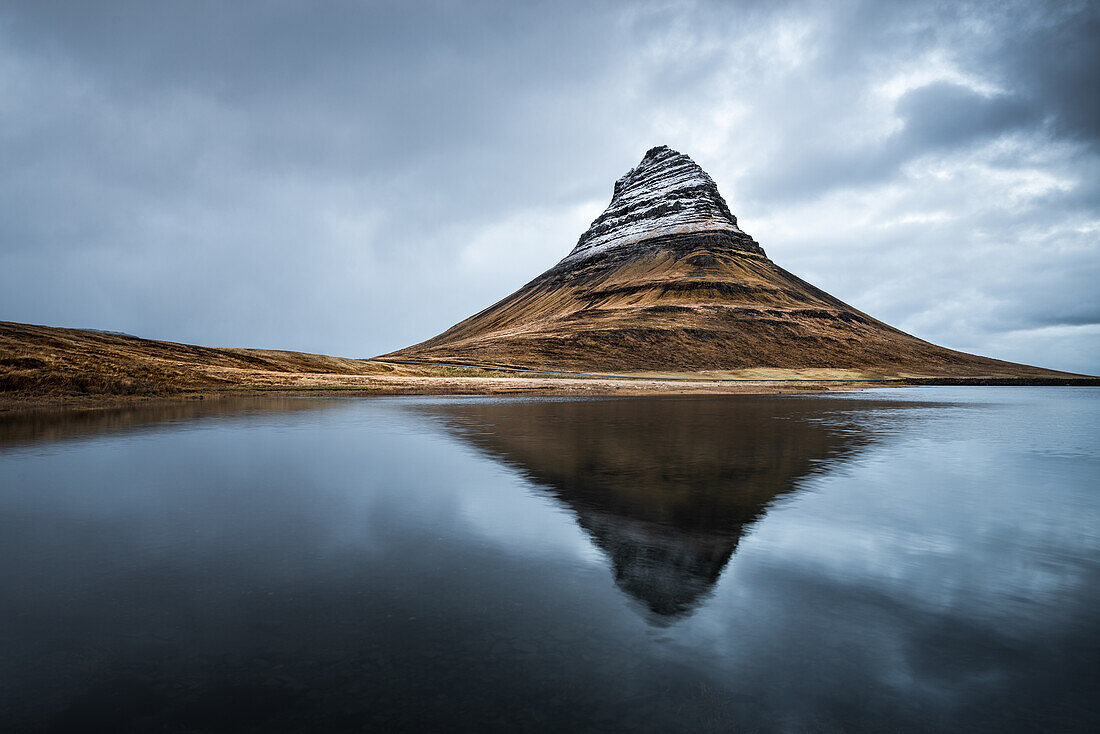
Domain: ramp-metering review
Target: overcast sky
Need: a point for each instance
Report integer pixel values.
(350, 178)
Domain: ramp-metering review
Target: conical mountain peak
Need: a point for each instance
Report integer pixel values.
(664, 280)
(665, 195)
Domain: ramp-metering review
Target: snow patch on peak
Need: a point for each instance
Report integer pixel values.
(667, 193)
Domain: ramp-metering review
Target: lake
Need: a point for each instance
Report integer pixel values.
(891, 560)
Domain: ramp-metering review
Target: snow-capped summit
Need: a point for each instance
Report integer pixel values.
(666, 194)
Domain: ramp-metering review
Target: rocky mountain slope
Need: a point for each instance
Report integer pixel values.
(665, 281)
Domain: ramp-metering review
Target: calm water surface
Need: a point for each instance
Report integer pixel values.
(894, 560)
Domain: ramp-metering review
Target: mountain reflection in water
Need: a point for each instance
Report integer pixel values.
(665, 488)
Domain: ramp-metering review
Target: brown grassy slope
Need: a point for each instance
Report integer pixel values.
(691, 306)
(43, 366)
(46, 360)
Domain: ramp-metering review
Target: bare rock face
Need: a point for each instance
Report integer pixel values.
(666, 194)
(665, 280)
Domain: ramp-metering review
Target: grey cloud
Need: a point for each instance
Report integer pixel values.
(935, 118)
(1054, 58)
(945, 115)
(1045, 56)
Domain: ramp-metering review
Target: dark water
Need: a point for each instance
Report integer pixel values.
(918, 560)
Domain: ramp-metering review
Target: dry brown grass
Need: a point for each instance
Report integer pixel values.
(693, 306)
(48, 366)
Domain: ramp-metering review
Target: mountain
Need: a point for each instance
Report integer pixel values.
(665, 281)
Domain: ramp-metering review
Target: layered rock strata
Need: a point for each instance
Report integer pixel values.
(667, 195)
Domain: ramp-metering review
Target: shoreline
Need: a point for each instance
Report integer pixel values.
(472, 387)
(512, 385)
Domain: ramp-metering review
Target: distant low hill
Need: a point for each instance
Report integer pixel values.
(665, 281)
(45, 360)
(42, 365)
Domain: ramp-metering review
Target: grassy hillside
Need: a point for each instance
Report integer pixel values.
(690, 305)
(45, 361)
